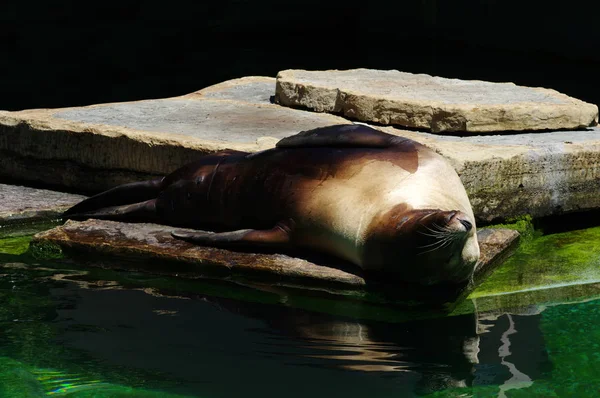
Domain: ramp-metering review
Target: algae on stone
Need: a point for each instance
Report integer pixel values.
(523, 225)
(548, 261)
(15, 246)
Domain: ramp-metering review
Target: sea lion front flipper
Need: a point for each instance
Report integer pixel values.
(277, 236)
(346, 135)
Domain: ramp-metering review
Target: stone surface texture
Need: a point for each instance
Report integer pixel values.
(253, 90)
(434, 103)
(19, 204)
(97, 147)
(147, 242)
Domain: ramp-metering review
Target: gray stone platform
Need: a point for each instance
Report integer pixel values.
(19, 204)
(94, 148)
(434, 103)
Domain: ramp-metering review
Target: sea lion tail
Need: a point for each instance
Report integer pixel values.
(125, 194)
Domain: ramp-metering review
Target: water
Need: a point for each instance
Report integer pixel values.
(66, 330)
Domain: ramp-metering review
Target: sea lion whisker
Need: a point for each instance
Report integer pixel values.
(438, 240)
(440, 245)
(445, 241)
(438, 234)
(431, 250)
(434, 232)
(434, 235)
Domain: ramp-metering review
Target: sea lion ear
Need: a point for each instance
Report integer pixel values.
(346, 135)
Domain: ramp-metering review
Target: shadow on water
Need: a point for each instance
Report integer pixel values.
(76, 331)
(100, 333)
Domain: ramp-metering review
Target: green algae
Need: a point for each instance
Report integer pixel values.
(15, 240)
(16, 380)
(538, 298)
(572, 338)
(26, 228)
(15, 246)
(522, 224)
(45, 251)
(560, 259)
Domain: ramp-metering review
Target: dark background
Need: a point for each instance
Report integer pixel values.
(56, 54)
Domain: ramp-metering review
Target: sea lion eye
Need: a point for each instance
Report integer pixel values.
(450, 215)
(401, 222)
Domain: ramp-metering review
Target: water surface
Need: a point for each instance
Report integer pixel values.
(68, 330)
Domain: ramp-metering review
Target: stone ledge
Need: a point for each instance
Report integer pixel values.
(433, 103)
(153, 136)
(19, 204)
(252, 89)
(155, 251)
(97, 147)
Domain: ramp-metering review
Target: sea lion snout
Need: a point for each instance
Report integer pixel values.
(449, 251)
(466, 223)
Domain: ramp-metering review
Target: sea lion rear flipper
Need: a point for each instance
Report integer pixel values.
(132, 193)
(275, 237)
(345, 135)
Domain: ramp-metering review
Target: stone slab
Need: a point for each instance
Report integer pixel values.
(252, 89)
(434, 103)
(19, 204)
(95, 148)
(155, 251)
(143, 139)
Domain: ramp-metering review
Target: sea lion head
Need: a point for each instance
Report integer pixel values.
(428, 247)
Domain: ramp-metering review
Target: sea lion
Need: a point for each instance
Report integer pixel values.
(383, 202)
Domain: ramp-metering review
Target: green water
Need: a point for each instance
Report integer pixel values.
(530, 330)
(548, 261)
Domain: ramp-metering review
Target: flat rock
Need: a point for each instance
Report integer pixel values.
(434, 103)
(97, 147)
(252, 89)
(19, 204)
(154, 250)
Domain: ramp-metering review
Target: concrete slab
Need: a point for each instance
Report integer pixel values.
(252, 89)
(19, 204)
(97, 147)
(150, 248)
(142, 139)
(433, 103)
